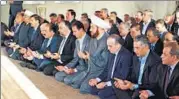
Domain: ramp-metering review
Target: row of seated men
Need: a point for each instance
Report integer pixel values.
(122, 65)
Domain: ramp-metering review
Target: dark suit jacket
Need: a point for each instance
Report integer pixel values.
(38, 40)
(53, 46)
(173, 85)
(158, 49)
(16, 34)
(151, 24)
(122, 67)
(174, 28)
(118, 20)
(128, 42)
(15, 7)
(68, 50)
(113, 30)
(23, 39)
(150, 71)
(3, 28)
(55, 28)
(72, 22)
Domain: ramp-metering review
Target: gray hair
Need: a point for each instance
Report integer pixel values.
(143, 39)
(174, 48)
(154, 32)
(117, 39)
(150, 12)
(126, 25)
(105, 9)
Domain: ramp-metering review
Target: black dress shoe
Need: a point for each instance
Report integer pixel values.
(30, 66)
(23, 64)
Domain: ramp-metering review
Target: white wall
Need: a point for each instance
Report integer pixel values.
(160, 8)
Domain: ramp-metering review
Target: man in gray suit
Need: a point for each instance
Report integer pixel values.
(78, 64)
(96, 57)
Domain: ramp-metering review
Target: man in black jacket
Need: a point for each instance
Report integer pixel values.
(15, 7)
(167, 86)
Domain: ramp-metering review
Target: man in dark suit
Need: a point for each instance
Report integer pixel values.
(12, 43)
(148, 22)
(156, 44)
(36, 39)
(144, 71)
(135, 31)
(138, 17)
(70, 16)
(36, 36)
(124, 33)
(78, 64)
(117, 19)
(169, 37)
(53, 21)
(119, 62)
(15, 7)
(65, 51)
(167, 86)
(23, 38)
(160, 26)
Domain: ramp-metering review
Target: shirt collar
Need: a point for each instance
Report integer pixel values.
(118, 51)
(145, 57)
(81, 39)
(173, 66)
(50, 38)
(147, 22)
(67, 35)
(124, 37)
(100, 36)
(35, 28)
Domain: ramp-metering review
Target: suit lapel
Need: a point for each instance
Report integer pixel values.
(118, 58)
(68, 39)
(84, 43)
(137, 67)
(174, 73)
(147, 61)
(111, 62)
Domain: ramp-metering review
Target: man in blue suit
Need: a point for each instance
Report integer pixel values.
(15, 7)
(51, 44)
(119, 62)
(65, 50)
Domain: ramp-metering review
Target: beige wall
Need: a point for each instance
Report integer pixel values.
(160, 8)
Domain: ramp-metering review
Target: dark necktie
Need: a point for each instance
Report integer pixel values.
(152, 47)
(33, 35)
(113, 66)
(167, 80)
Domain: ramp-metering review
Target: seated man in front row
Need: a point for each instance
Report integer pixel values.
(50, 44)
(119, 62)
(65, 51)
(167, 86)
(144, 71)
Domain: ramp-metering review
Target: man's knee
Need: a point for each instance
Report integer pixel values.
(59, 76)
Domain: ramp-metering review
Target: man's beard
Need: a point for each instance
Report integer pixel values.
(95, 35)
